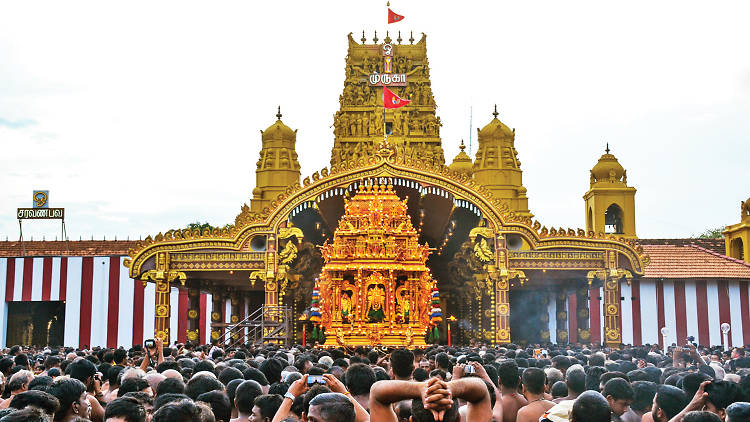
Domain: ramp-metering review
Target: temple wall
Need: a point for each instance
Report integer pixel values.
(103, 306)
(691, 307)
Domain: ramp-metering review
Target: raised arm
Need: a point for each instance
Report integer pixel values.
(338, 387)
(474, 391)
(433, 393)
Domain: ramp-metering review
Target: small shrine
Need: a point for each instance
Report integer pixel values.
(375, 287)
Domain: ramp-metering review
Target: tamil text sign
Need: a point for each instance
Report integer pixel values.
(41, 213)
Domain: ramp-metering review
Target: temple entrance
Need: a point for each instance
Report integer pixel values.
(528, 316)
(36, 323)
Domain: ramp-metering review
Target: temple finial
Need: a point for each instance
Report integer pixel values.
(462, 146)
(278, 113)
(399, 37)
(375, 38)
(495, 113)
(363, 39)
(607, 149)
(411, 37)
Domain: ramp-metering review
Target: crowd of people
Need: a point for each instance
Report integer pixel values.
(270, 383)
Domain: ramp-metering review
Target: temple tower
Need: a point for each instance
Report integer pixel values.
(737, 236)
(361, 122)
(462, 163)
(277, 168)
(610, 202)
(497, 167)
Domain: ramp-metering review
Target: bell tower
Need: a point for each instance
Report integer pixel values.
(497, 167)
(610, 202)
(362, 122)
(737, 236)
(277, 168)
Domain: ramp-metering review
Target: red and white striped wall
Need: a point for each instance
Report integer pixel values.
(689, 307)
(103, 306)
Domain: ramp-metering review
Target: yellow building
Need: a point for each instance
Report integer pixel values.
(737, 236)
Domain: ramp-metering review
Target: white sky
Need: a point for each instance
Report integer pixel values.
(145, 116)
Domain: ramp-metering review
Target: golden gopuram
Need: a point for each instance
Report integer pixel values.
(350, 254)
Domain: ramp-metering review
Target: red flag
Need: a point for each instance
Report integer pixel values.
(391, 100)
(394, 17)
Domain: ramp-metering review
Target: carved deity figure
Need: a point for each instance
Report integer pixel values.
(346, 307)
(483, 251)
(375, 302)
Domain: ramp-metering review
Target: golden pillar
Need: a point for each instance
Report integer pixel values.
(612, 335)
(161, 316)
(162, 276)
(502, 295)
(612, 309)
(271, 286)
(502, 302)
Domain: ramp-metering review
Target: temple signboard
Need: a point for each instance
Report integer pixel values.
(41, 213)
(387, 79)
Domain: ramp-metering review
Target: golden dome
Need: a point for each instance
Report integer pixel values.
(607, 169)
(278, 130)
(496, 129)
(462, 163)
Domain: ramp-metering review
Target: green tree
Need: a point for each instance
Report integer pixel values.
(714, 233)
(206, 225)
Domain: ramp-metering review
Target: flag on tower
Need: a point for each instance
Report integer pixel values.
(394, 17)
(391, 100)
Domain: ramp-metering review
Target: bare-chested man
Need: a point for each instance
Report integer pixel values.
(533, 389)
(512, 401)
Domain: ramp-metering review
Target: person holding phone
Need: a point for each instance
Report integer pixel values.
(154, 349)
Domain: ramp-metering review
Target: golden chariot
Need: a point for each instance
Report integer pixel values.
(375, 287)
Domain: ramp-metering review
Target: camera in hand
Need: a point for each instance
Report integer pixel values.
(149, 344)
(315, 379)
(469, 369)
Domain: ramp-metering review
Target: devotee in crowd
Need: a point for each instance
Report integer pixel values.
(271, 383)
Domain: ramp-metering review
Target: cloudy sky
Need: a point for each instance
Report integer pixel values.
(145, 116)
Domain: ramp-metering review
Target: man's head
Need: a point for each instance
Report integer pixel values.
(201, 383)
(133, 384)
(590, 406)
(180, 411)
(359, 378)
(265, 407)
(119, 356)
(575, 380)
(83, 370)
(219, 403)
(738, 412)
(71, 393)
(508, 374)
(553, 376)
(643, 396)
(402, 364)
(619, 395)
(19, 382)
(125, 409)
(721, 394)
(668, 402)
(45, 402)
(533, 381)
(700, 416)
(245, 394)
(330, 407)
